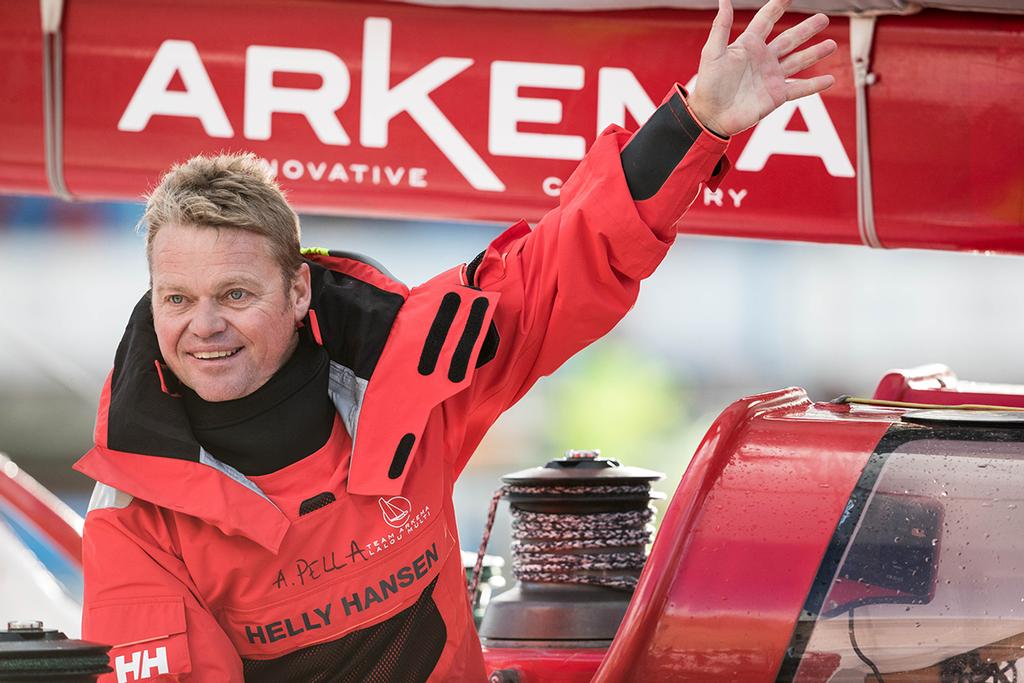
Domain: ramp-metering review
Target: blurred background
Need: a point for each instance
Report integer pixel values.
(720, 320)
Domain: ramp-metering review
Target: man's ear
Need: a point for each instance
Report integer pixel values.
(301, 292)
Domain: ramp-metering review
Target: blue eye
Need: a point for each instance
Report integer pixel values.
(236, 294)
(176, 299)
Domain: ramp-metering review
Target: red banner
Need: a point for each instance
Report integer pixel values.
(384, 109)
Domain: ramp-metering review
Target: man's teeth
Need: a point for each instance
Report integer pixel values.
(209, 355)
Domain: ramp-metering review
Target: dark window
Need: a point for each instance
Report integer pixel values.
(931, 583)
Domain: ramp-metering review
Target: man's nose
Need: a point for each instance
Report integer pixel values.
(207, 320)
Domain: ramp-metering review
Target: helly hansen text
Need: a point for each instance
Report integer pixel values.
(377, 591)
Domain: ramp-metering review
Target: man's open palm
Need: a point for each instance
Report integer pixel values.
(740, 84)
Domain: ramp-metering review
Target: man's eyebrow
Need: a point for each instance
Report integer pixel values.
(165, 286)
(235, 280)
(239, 280)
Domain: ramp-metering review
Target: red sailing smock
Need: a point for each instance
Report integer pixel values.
(345, 565)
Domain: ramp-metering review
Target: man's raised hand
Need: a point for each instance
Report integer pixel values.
(740, 84)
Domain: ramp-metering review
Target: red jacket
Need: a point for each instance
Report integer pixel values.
(195, 572)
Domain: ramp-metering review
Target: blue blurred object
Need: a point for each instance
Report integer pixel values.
(32, 214)
(65, 571)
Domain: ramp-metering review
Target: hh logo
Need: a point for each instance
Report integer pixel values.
(141, 665)
(396, 510)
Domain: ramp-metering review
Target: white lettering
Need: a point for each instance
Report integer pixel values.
(292, 169)
(263, 98)
(417, 177)
(122, 668)
(358, 170)
(338, 173)
(618, 92)
(737, 197)
(199, 100)
(316, 171)
(552, 186)
(712, 196)
(381, 103)
(819, 140)
(158, 661)
(508, 109)
(142, 665)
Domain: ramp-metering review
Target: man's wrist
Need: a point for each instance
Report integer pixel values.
(699, 112)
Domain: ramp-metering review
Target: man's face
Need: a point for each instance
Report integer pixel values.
(224, 319)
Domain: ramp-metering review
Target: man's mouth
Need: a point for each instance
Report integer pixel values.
(214, 355)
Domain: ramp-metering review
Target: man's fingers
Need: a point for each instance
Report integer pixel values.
(792, 38)
(803, 87)
(798, 61)
(718, 39)
(763, 22)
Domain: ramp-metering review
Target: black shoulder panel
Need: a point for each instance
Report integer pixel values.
(355, 317)
(658, 147)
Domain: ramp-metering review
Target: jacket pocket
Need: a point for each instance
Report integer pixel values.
(148, 636)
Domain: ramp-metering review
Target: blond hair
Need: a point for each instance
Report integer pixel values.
(226, 191)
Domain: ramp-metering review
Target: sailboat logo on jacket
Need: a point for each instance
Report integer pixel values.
(396, 510)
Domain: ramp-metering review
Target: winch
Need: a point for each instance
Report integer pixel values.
(580, 526)
(29, 652)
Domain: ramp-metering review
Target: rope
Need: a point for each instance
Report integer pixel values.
(572, 548)
(478, 567)
(921, 406)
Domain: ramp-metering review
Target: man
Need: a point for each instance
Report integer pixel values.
(277, 443)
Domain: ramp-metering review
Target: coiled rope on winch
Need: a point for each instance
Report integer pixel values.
(590, 548)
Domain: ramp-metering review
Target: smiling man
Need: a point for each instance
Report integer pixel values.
(225, 313)
(277, 443)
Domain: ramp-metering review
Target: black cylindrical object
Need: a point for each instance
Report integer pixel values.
(31, 653)
(581, 525)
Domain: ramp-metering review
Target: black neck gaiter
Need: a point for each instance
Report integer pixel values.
(288, 418)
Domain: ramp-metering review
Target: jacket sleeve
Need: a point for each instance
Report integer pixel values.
(140, 599)
(568, 281)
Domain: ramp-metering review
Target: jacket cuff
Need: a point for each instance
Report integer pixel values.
(665, 162)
